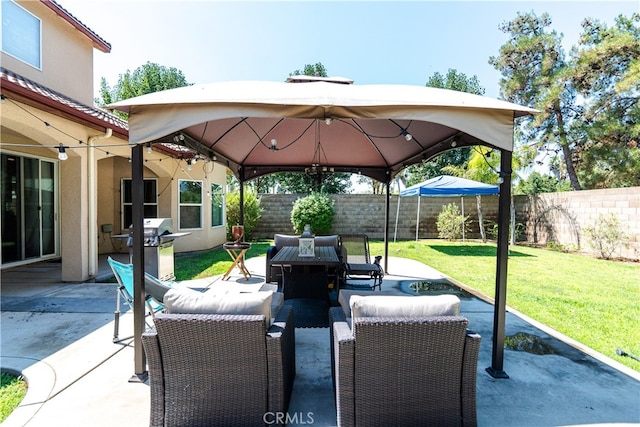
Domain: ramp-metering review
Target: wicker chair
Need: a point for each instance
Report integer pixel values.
(213, 369)
(391, 371)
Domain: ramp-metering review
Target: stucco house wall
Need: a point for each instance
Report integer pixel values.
(62, 45)
(53, 104)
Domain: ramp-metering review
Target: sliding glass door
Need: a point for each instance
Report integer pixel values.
(28, 205)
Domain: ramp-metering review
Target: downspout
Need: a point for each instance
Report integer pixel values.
(93, 203)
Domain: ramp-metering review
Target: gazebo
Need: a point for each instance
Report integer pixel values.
(317, 125)
(445, 186)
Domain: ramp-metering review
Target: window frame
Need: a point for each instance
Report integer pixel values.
(21, 32)
(222, 208)
(124, 204)
(199, 205)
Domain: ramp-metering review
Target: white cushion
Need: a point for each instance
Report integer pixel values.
(186, 300)
(404, 306)
(344, 297)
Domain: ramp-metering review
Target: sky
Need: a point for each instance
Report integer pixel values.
(371, 42)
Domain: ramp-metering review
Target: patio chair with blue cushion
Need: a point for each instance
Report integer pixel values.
(154, 289)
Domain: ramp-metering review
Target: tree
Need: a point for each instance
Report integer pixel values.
(606, 73)
(264, 184)
(535, 72)
(316, 69)
(589, 101)
(145, 79)
(377, 187)
(302, 183)
(458, 157)
(537, 183)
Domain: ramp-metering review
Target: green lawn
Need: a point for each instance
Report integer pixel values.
(12, 391)
(590, 300)
(196, 265)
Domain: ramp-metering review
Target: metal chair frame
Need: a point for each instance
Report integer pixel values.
(124, 276)
(358, 265)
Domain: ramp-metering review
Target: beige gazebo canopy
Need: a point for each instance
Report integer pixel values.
(317, 126)
(376, 130)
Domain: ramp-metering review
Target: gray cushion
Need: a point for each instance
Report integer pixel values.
(326, 241)
(280, 240)
(404, 306)
(187, 300)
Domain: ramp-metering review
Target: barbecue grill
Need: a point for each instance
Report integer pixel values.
(158, 247)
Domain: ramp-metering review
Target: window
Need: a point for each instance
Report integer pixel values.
(190, 204)
(150, 208)
(21, 34)
(217, 205)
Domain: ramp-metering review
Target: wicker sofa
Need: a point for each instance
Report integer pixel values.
(274, 274)
(407, 369)
(220, 369)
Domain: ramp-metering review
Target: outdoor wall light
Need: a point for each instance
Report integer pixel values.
(62, 153)
(406, 134)
(189, 164)
(148, 145)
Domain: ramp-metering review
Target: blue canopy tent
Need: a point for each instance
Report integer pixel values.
(445, 186)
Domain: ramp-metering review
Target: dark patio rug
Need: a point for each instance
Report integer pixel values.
(309, 312)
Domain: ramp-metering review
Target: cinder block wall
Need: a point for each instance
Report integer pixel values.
(551, 217)
(560, 217)
(365, 213)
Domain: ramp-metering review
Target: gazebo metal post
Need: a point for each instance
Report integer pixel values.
(386, 226)
(496, 369)
(395, 232)
(418, 218)
(241, 201)
(137, 213)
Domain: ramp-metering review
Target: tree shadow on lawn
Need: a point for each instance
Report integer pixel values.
(474, 250)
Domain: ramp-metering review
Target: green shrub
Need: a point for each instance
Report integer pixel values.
(605, 235)
(450, 222)
(252, 212)
(317, 210)
(493, 230)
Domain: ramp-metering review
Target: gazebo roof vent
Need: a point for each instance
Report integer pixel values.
(311, 79)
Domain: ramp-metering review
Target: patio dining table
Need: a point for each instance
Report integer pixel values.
(305, 276)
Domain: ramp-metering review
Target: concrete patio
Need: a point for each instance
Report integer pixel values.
(60, 337)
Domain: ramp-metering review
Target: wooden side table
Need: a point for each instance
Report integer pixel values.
(236, 251)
